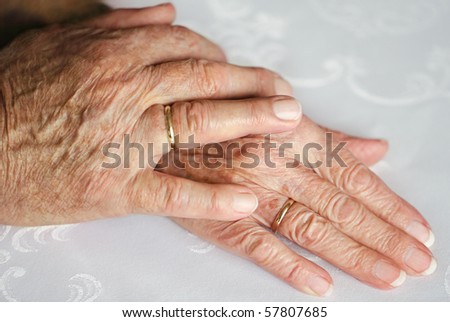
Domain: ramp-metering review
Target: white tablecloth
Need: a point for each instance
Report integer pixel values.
(374, 68)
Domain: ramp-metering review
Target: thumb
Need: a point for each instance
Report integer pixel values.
(369, 151)
(156, 192)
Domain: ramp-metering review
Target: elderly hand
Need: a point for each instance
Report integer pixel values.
(70, 95)
(344, 214)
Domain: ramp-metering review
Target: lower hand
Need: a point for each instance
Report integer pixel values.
(346, 215)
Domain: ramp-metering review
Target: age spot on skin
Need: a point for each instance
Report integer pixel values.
(274, 204)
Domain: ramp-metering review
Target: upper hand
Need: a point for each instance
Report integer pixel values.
(68, 92)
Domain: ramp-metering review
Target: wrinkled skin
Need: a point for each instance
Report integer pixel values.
(58, 84)
(345, 215)
(68, 91)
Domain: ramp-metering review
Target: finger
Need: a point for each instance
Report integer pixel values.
(369, 151)
(147, 46)
(132, 18)
(360, 182)
(316, 234)
(157, 44)
(352, 218)
(355, 220)
(248, 239)
(357, 180)
(349, 217)
(154, 192)
(202, 79)
(206, 121)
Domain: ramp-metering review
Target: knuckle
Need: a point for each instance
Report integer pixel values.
(106, 47)
(391, 208)
(229, 235)
(310, 230)
(99, 49)
(208, 75)
(137, 200)
(264, 77)
(257, 247)
(388, 242)
(256, 116)
(294, 273)
(171, 198)
(303, 182)
(180, 31)
(356, 179)
(197, 116)
(215, 204)
(341, 209)
(356, 258)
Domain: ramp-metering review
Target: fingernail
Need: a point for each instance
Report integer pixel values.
(282, 87)
(245, 203)
(420, 261)
(421, 233)
(320, 286)
(389, 273)
(287, 109)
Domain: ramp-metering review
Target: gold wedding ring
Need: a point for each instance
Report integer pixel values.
(280, 215)
(169, 125)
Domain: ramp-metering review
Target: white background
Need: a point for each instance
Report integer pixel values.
(373, 68)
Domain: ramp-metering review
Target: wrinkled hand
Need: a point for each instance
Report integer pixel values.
(344, 214)
(67, 93)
